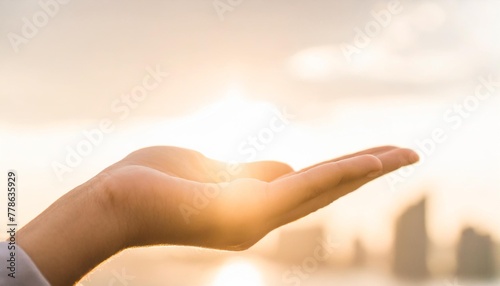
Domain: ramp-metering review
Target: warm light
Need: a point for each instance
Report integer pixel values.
(235, 92)
(222, 129)
(241, 273)
(316, 63)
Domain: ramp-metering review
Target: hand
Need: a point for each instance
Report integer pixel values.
(177, 196)
(168, 195)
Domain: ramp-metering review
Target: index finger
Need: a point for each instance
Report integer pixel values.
(290, 192)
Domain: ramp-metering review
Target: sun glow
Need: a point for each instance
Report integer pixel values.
(241, 273)
(223, 127)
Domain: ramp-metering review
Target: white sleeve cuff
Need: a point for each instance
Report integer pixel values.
(21, 273)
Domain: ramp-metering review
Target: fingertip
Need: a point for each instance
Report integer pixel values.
(413, 157)
(410, 156)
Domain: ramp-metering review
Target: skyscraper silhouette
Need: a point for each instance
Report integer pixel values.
(475, 255)
(410, 243)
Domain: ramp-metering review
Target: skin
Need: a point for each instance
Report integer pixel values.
(138, 201)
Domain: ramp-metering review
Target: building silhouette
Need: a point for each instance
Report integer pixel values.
(475, 255)
(359, 257)
(411, 243)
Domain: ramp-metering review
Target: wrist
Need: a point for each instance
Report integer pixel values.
(76, 233)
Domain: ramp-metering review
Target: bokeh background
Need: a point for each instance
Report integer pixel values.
(340, 75)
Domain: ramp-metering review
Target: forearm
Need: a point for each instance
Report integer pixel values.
(75, 234)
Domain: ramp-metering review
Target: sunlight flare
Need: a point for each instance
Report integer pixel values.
(241, 273)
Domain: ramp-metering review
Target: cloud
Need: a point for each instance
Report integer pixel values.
(417, 47)
(284, 51)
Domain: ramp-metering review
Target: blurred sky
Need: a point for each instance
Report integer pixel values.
(226, 74)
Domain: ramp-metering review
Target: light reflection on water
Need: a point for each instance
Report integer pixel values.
(250, 272)
(241, 273)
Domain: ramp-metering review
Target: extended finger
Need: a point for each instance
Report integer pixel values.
(372, 151)
(391, 161)
(291, 192)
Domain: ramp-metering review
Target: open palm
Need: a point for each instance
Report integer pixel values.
(169, 195)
